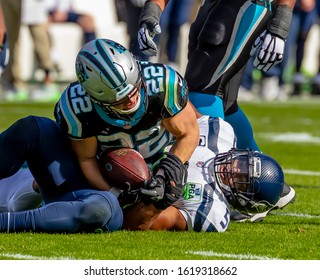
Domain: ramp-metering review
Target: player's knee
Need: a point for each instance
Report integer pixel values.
(24, 131)
(101, 211)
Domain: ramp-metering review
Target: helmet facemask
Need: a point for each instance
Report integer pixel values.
(236, 173)
(116, 109)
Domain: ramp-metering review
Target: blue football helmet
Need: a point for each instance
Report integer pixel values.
(109, 73)
(4, 54)
(251, 181)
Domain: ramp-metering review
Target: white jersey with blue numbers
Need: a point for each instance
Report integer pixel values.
(203, 204)
(167, 95)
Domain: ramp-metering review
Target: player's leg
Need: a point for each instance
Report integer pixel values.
(86, 22)
(221, 47)
(211, 105)
(40, 142)
(242, 128)
(17, 192)
(79, 211)
(215, 57)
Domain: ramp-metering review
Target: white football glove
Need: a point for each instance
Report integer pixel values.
(145, 39)
(269, 48)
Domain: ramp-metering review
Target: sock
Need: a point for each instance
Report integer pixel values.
(243, 130)
(207, 104)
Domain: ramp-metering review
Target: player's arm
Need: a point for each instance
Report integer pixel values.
(169, 219)
(289, 3)
(85, 151)
(161, 3)
(170, 175)
(148, 217)
(184, 127)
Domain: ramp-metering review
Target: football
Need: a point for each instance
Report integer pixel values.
(124, 168)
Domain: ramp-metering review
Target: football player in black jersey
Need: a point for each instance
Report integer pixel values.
(222, 38)
(141, 106)
(120, 102)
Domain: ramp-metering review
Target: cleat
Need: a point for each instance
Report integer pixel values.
(288, 196)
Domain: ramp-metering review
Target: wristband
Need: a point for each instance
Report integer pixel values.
(280, 23)
(150, 10)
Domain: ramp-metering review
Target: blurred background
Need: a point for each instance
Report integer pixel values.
(52, 32)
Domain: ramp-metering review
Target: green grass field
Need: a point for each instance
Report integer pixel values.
(290, 132)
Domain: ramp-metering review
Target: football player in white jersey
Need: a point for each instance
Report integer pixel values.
(219, 175)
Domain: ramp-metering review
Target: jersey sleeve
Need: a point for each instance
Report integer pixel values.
(176, 93)
(72, 112)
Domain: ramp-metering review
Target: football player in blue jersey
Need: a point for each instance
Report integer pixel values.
(121, 102)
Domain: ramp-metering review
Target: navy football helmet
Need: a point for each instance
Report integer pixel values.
(110, 75)
(251, 181)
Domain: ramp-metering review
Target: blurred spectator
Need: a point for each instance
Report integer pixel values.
(176, 13)
(62, 11)
(4, 52)
(12, 85)
(315, 83)
(304, 16)
(34, 15)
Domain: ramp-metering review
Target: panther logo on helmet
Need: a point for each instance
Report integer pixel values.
(81, 73)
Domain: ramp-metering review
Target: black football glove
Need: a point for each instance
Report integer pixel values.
(153, 190)
(170, 174)
(128, 199)
(149, 24)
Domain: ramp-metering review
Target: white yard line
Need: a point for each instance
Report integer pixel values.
(233, 256)
(299, 215)
(29, 257)
(301, 172)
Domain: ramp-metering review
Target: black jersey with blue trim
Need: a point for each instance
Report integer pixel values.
(167, 95)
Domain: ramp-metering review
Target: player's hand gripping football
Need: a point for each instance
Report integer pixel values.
(166, 186)
(149, 27)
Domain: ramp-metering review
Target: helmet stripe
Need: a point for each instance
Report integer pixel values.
(109, 62)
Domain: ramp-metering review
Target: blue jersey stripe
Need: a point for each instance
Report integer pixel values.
(249, 16)
(171, 102)
(74, 126)
(253, 12)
